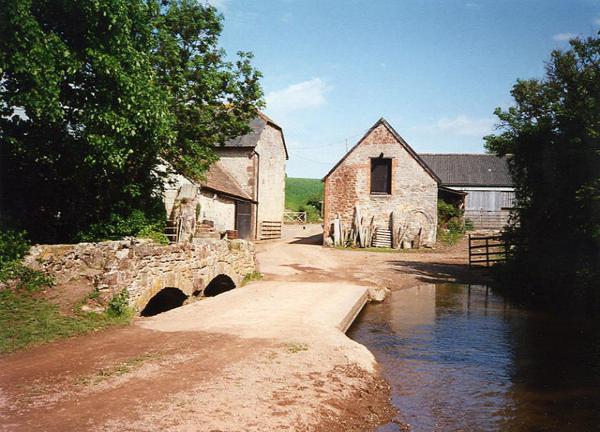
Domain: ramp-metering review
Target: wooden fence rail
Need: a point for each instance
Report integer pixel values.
(270, 230)
(292, 216)
(487, 249)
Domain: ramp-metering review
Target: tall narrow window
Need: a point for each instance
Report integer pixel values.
(381, 176)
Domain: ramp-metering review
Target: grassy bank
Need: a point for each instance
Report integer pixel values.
(304, 194)
(28, 319)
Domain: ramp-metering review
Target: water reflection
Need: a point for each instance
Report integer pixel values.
(461, 358)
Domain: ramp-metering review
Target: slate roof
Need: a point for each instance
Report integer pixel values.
(220, 181)
(469, 169)
(250, 140)
(400, 140)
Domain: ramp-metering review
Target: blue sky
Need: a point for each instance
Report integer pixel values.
(435, 69)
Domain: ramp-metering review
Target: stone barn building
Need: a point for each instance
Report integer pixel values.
(243, 191)
(386, 180)
(257, 162)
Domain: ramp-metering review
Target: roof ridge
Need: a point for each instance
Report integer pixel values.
(459, 154)
(401, 141)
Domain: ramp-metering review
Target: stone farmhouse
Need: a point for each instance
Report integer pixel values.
(484, 179)
(243, 191)
(388, 182)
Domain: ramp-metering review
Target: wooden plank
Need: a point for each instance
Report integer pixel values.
(498, 237)
(493, 248)
(469, 253)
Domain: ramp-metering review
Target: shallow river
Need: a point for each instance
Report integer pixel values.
(460, 358)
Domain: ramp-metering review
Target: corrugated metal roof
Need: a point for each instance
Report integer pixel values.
(219, 180)
(469, 169)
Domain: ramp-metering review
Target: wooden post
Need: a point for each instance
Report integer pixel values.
(487, 252)
(469, 250)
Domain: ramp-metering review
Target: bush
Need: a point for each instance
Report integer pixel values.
(469, 226)
(448, 237)
(312, 213)
(450, 223)
(13, 245)
(447, 211)
(137, 223)
(456, 226)
(151, 233)
(24, 277)
(118, 306)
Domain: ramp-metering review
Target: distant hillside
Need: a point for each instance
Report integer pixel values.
(304, 194)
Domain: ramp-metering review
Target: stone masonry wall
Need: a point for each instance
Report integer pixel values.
(218, 209)
(240, 164)
(144, 268)
(271, 181)
(413, 198)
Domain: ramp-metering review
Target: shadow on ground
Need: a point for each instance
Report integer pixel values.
(316, 239)
(431, 272)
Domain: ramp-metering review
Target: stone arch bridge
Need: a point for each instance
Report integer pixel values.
(154, 276)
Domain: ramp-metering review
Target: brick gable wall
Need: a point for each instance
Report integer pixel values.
(413, 198)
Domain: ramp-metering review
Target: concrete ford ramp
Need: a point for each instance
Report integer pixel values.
(292, 312)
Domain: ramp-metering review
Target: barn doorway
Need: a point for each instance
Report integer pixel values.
(243, 219)
(219, 285)
(166, 299)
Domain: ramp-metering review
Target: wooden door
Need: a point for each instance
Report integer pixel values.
(243, 219)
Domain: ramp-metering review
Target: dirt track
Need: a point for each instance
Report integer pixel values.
(299, 257)
(138, 379)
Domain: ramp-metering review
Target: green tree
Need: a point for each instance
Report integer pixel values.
(552, 138)
(95, 95)
(213, 99)
(83, 117)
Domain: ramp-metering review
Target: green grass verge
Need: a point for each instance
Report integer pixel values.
(298, 191)
(250, 277)
(26, 320)
(449, 237)
(304, 194)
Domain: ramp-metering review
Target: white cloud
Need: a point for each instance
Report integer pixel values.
(465, 126)
(563, 37)
(297, 97)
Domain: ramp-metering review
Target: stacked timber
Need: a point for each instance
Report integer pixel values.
(382, 237)
(270, 230)
(361, 233)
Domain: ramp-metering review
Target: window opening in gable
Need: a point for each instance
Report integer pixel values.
(381, 176)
